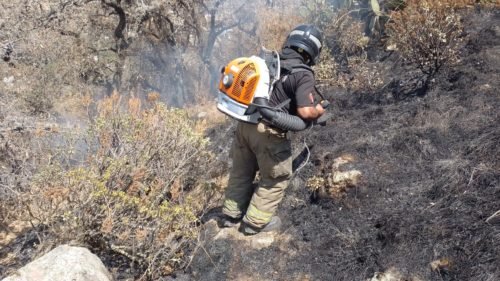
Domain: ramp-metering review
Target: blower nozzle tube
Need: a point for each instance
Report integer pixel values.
(279, 119)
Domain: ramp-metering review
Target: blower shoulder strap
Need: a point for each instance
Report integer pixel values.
(301, 67)
(288, 69)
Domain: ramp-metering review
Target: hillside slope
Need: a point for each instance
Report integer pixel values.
(431, 176)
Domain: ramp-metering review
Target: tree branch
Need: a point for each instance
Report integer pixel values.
(122, 18)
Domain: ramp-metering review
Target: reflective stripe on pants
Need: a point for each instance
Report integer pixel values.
(257, 148)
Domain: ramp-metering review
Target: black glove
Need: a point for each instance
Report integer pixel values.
(323, 118)
(325, 104)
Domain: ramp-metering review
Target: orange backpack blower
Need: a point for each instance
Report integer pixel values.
(244, 80)
(245, 87)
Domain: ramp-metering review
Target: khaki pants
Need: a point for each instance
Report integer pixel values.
(264, 149)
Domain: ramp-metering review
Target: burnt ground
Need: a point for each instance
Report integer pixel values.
(431, 168)
(431, 176)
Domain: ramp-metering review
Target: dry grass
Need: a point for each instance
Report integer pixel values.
(146, 176)
(427, 33)
(276, 23)
(207, 116)
(344, 64)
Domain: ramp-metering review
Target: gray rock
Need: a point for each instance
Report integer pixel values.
(62, 264)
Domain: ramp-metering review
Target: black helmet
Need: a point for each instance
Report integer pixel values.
(307, 38)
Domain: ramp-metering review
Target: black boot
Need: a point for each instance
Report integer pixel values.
(227, 221)
(274, 224)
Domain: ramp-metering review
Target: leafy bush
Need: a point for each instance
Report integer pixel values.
(142, 187)
(427, 33)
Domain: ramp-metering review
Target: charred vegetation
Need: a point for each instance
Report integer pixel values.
(430, 176)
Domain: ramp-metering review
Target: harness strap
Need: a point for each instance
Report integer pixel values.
(291, 69)
(283, 104)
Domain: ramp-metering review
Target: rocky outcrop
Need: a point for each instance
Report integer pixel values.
(64, 263)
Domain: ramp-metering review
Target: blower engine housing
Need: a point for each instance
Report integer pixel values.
(243, 80)
(245, 87)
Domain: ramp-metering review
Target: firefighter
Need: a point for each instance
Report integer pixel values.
(267, 149)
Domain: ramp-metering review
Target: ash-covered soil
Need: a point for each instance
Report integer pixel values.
(431, 176)
(431, 169)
